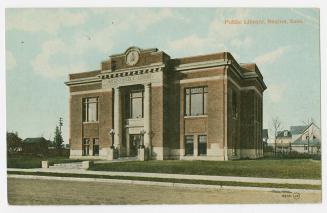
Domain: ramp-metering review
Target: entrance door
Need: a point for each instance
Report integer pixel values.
(134, 143)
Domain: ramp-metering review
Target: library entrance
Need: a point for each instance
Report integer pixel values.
(134, 143)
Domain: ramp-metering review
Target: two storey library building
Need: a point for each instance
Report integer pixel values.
(205, 107)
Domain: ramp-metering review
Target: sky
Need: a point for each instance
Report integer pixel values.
(44, 45)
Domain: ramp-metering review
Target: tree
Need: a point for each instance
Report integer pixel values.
(58, 140)
(276, 126)
(14, 142)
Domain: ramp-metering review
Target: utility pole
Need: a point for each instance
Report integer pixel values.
(60, 123)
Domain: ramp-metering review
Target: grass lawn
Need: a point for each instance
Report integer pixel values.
(30, 161)
(287, 168)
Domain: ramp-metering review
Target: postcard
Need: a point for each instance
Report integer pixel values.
(164, 105)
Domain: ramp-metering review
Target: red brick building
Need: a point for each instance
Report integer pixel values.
(200, 107)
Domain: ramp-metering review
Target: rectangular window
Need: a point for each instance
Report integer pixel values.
(196, 101)
(189, 145)
(96, 146)
(187, 102)
(136, 104)
(85, 146)
(90, 109)
(234, 104)
(202, 145)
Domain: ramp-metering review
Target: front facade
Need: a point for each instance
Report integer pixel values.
(206, 107)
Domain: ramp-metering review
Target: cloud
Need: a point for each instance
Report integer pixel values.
(306, 16)
(42, 20)
(219, 35)
(150, 17)
(192, 42)
(270, 57)
(136, 19)
(222, 32)
(58, 57)
(10, 61)
(47, 62)
(275, 92)
(242, 43)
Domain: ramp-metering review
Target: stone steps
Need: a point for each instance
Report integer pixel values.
(121, 159)
(75, 165)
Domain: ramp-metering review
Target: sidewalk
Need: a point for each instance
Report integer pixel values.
(176, 176)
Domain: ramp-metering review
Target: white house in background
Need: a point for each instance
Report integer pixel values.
(283, 141)
(308, 141)
(302, 139)
(296, 131)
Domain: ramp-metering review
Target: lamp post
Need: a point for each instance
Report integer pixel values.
(112, 133)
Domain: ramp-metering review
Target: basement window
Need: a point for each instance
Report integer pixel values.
(202, 145)
(85, 146)
(189, 148)
(96, 146)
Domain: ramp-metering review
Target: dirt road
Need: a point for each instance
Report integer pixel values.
(43, 192)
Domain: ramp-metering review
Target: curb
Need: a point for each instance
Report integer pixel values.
(169, 184)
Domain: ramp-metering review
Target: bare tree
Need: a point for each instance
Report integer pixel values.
(276, 127)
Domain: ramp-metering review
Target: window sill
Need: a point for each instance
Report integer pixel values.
(195, 116)
(90, 122)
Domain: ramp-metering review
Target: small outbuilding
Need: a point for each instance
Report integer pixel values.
(35, 145)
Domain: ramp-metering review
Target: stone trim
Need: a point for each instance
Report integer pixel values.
(159, 153)
(136, 48)
(83, 81)
(250, 153)
(157, 67)
(198, 70)
(77, 154)
(214, 78)
(202, 64)
(91, 91)
(195, 116)
(208, 157)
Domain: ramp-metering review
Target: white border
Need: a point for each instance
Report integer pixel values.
(168, 3)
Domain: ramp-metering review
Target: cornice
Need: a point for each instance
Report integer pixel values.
(83, 81)
(136, 48)
(156, 67)
(202, 64)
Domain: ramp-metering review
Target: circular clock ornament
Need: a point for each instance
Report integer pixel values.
(132, 57)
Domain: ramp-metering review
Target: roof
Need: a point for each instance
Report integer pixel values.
(312, 142)
(265, 133)
(280, 134)
(153, 57)
(35, 140)
(296, 130)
